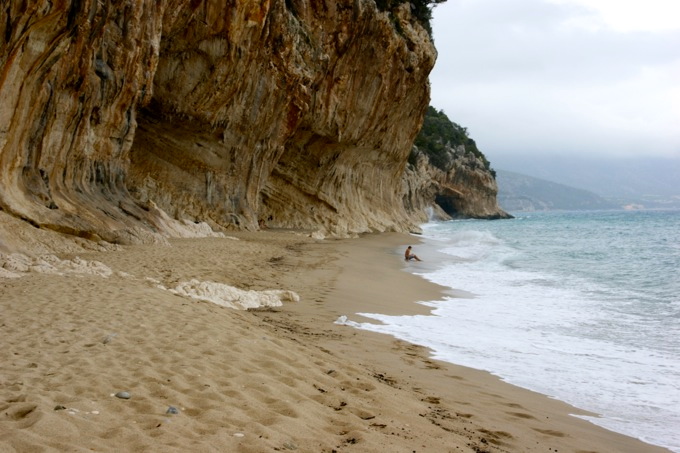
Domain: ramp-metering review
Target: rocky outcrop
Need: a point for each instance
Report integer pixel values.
(465, 188)
(72, 77)
(298, 113)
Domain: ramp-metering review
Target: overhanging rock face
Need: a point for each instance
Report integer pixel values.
(72, 77)
(301, 113)
(464, 189)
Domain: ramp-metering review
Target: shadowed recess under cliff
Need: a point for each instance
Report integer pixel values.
(309, 110)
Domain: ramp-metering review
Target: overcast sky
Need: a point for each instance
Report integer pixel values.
(561, 76)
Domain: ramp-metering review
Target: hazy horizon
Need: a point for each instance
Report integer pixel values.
(608, 177)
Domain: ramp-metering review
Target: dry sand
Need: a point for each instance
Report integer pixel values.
(76, 330)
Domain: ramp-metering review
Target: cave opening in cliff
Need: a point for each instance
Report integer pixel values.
(447, 204)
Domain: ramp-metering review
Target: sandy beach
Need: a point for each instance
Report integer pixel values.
(191, 375)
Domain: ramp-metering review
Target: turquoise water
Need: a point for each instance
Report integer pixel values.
(581, 306)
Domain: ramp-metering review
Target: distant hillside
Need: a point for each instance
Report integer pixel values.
(518, 192)
(650, 182)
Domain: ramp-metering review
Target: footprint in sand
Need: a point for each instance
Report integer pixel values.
(514, 405)
(550, 432)
(496, 434)
(521, 415)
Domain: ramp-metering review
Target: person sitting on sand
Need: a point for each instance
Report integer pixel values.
(409, 255)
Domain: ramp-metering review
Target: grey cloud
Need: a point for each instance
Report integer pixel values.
(521, 76)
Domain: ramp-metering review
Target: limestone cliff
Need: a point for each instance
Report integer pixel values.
(299, 112)
(464, 188)
(72, 77)
(448, 176)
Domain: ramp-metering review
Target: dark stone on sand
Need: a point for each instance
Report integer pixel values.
(59, 407)
(123, 395)
(172, 410)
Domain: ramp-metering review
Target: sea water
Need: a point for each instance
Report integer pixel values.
(580, 306)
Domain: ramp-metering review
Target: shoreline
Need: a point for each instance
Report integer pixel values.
(561, 413)
(268, 379)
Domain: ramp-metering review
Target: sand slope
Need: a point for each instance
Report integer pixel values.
(268, 379)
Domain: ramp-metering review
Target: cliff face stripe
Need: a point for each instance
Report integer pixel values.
(299, 112)
(73, 75)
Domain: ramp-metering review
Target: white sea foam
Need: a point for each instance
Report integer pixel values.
(344, 321)
(559, 307)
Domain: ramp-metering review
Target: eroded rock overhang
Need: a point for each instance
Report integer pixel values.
(301, 113)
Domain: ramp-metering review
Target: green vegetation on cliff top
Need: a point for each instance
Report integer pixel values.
(421, 9)
(439, 136)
